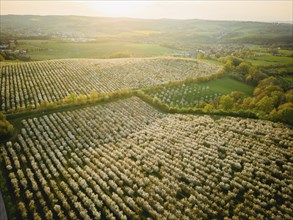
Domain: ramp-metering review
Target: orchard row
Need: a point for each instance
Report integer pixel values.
(184, 95)
(28, 85)
(125, 160)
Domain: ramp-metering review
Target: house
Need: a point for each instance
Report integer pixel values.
(201, 51)
(184, 54)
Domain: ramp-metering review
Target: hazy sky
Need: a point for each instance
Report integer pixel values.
(265, 10)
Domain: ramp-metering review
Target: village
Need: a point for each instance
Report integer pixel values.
(216, 52)
(9, 51)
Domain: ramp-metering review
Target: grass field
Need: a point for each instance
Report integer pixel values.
(286, 52)
(267, 60)
(54, 49)
(189, 94)
(226, 85)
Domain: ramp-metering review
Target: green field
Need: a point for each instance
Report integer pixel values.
(190, 94)
(286, 52)
(226, 85)
(267, 60)
(56, 49)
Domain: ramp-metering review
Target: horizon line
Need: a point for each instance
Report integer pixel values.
(164, 18)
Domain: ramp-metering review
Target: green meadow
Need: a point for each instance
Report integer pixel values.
(57, 49)
(269, 60)
(226, 85)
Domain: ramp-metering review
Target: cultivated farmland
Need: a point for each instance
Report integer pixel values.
(184, 95)
(139, 119)
(29, 84)
(191, 93)
(125, 160)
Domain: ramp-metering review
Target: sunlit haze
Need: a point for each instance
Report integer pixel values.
(213, 10)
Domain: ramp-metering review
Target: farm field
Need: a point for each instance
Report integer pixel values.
(30, 84)
(270, 60)
(190, 94)
(126, 160)
(58, 49)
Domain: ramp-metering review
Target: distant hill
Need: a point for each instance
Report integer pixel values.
(162, 31)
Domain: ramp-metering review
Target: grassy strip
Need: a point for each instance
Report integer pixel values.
(61, 106)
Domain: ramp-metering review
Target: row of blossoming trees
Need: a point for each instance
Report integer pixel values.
(183, 95)
(24, 85)
(125, 160)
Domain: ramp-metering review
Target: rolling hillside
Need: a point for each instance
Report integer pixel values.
(162, 31)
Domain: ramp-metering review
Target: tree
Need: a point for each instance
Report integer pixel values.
(284, 113)
(268, 81)
(266, 104)
(269, 85)
(228, 66)
(82, 99)
(208, 107)
(247, 103)
(235, 60)
(71, 99)
(243, 68)
(237, 96)
(6, 129)
(278, 96)
(255, 75)
(94, 96)
(289, 96)
(226, 102)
